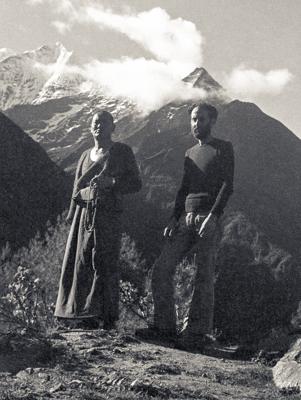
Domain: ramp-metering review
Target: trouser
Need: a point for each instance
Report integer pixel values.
(202, 251)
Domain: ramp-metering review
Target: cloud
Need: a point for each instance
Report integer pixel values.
(176, 49)
(175, 46)
(173, 41)
(249, 83)
(61, 27)
(148, 83)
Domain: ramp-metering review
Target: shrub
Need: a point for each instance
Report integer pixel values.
(25, 306)
(31, 277)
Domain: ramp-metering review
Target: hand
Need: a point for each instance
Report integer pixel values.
(69, 219)
(103, 182)
(170, 228)
(208, 226)
(190, 218)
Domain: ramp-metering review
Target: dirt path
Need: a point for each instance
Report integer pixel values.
(101, 365)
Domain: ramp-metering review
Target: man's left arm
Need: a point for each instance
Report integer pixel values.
(226, 189)
(227, 169)
(130, 181)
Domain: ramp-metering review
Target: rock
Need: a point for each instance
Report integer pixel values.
(116, 350)
(93, 351)
(149, 389)
(75, 383)
(22, 374)
(57, 388)
(44, 376)
(287, 372)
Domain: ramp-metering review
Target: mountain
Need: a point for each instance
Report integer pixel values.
(33, 188)
(35, 76)
(5, 52)
(199, 78)
(267, 177)
(62, 126)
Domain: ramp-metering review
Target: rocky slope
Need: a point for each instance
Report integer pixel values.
(106, 365)
(62, 126)
(33, 188)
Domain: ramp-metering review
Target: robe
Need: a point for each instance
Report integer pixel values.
(89, 283)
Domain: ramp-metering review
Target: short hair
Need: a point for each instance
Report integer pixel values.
(212, 111)
(104, 113)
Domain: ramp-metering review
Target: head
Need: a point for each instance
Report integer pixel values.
(202, 118)
(102, 126)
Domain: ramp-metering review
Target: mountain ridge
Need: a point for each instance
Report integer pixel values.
(267, 152)
(33, 188)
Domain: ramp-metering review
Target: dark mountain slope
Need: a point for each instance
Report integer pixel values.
(33, 188)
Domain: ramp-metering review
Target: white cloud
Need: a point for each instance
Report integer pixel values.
(174, 41)
(176, 46)
(249, 83)
(148, 83)
(61, 27)
(176, 49)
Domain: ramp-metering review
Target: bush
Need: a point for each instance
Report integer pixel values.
(25, 305)
(257, 288)
(31, 277)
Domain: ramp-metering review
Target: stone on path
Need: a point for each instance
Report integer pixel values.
(287, 372)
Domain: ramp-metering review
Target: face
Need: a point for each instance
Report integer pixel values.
(200, 123)
(102, 127)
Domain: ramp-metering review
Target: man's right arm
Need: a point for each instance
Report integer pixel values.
(72, 206)
(179, 202)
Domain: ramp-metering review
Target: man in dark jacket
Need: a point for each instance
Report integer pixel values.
(89, 284)
(206, 186)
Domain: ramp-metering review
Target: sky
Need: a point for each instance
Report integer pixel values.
(142, 48)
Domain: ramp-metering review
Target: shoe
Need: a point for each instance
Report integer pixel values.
(88, 324)
(65, 324)
(156, 334)
(109, 325)
(193, 342)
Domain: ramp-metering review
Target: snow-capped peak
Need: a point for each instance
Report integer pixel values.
(200, 78)
(30, 76)
(5, 52)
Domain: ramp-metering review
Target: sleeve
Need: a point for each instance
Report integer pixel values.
(129, 181)
(227, 168)
(182, 192)
(78, 173)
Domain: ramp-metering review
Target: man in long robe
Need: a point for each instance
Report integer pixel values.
(89, 284)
